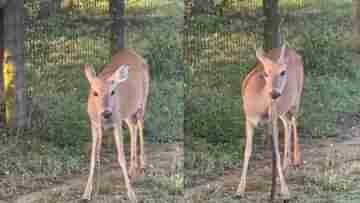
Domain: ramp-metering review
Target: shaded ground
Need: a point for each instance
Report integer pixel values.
(330, 173)
(162, 181)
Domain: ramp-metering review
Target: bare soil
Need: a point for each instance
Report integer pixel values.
(329, 174)
(162, 161)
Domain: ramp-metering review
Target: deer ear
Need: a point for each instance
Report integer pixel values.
(260, 55)
(89, 72)
(121, 74)
(283, 58)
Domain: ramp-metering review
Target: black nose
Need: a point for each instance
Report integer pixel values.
(106, 114)
(275, 94)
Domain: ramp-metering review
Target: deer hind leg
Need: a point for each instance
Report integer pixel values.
(133, 147)
(94, 160)
(122, 161)
(140, 126)
(248, 149)
(297, 155)
(142, 152)
(287, 141)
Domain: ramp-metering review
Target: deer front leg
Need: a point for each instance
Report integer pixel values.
(287, 141)
(122, 161)
(97, 161)
(275, 136)
(247, 154)
(142, 153)
(133, 148)
(96, 134)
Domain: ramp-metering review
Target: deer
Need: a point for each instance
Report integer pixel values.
(118, 94)
(272, 90)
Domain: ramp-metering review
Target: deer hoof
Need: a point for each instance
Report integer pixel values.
(240, 192)
(285, 194)
(132, 196)
(87, 193)
(84, 200)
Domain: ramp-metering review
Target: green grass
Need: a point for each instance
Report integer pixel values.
(57, 143)
(330, 91)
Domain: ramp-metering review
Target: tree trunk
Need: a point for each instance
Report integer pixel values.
(188, 9)
(187, 32)
(1, 61)
(117, 10)
(272, 24)
(15, 103)
(3, 3)
(356, 25)
(45, 6)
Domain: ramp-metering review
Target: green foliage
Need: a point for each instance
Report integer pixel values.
(165, 112)
(324, 54)
(164, 54)
(60, 91)
(209, 23)
(216, 118)
(204, 159)
(215, 122)
(324, 99)
(57, 141)
(216, 103)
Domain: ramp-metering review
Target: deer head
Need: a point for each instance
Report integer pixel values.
(275, 72)
(104, 92)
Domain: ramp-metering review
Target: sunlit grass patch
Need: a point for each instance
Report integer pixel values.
(155, 7)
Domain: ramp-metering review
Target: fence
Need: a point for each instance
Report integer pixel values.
(231, 30)
(219, 49)
(57, 44)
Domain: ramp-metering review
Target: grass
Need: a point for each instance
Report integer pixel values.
(331, 88)
(57, 143)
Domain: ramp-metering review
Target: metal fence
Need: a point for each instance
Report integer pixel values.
(57, 44)
(219, 50)
(228, 36)
(77, 34)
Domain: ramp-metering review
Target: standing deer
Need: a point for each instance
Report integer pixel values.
(275, 84)
(117, 94)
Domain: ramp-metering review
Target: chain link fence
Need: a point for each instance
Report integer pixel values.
(58, 42)
(219, 50)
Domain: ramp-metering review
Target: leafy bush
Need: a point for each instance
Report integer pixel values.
(324, 54)
(164, 54)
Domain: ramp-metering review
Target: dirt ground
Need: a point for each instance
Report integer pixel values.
(329, 175)
(162, 166)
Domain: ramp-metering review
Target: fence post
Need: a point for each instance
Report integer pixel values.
(117, 10)
(272, 24)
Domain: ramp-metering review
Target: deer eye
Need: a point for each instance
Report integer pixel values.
(282, 73)
(112, 92)
(95, 94)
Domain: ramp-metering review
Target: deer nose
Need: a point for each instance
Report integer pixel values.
(275, 94)
(106, 114)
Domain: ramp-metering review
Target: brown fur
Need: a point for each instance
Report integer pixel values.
(257, 103)
(129, 103)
